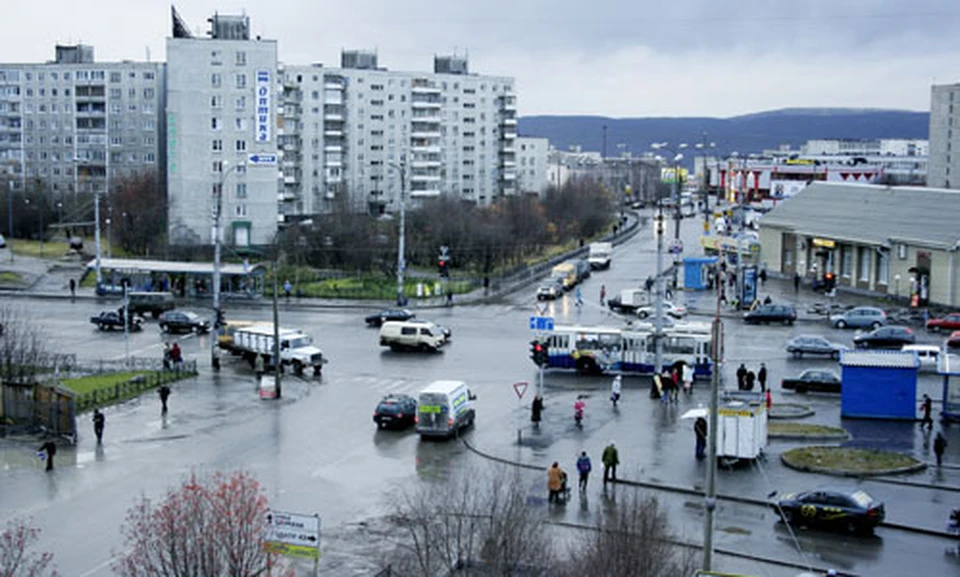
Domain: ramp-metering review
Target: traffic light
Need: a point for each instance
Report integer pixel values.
(443, 265)
(538, 353)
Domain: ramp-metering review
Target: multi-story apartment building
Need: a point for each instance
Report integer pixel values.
(532, 166)
(74, 125)
(221, 120)
(349, 133)
(943, 169)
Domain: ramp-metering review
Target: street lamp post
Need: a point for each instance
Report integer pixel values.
(401, 261)
(703, 146)
(96, 222)
(658, 322)
(217, 224)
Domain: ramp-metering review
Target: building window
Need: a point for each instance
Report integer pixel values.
(241, 190)
(216, 101)
(148, 93)
(114, 77)
(214, 123)
(241, 103)
(863, 260)
(217, 166)
(241, 145)
(241, 80)
(241, 124)
(902, 251)
(216, 80)
(846, 260)
(241, 58)
(883, 267)
(216, 145)
(240, 210)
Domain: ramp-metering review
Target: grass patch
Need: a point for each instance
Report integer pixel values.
(10, 277)
(374, 288)
(86, 385)
(804, 429)
(848, 460)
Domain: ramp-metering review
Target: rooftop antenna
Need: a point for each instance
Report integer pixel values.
(148, 53)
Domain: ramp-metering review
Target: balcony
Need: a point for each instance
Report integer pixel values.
(424, 178)
(424, 192)
(509, 176)
(333, 84)
(333, 162)
(509, 122)
(425, 133)
(333, 148)
(333, 133)
(416, 103)
(425, 163)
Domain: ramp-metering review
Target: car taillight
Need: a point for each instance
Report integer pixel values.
(416, 418)
(450, 422)
(874, 512)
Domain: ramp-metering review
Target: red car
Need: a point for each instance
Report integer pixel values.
(951, 322)
(953, 341)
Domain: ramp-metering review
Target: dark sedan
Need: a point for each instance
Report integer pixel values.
(818, 380)
(951, 322)
(377, 319)
(765, 314)
(888, 337)
(110, 320)
(812, 345)
(848, 509)
(396, 412)
(183, 322)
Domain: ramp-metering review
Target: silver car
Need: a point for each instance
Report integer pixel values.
(860, 318)
(814, 345)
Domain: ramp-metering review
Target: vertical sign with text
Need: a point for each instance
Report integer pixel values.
(262, 114)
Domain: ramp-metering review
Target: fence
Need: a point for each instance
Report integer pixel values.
(132, 387)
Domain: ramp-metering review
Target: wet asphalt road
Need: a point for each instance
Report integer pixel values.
(317, 450)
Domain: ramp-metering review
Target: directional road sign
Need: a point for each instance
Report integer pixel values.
(541, 323)
(293, 534)
(262, 158)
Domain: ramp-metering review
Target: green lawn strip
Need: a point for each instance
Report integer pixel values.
(375, 288)
(10, 277)
(86, 385)
(848, 460)
(788, 429)
(106, 389)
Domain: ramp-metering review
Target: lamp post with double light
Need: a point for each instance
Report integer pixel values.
(401, 240)
(703, 147)
(225, 170)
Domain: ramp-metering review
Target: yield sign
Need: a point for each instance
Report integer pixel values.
(520, 388)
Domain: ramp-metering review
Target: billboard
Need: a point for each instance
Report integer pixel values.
(262, 113)
(669, 175)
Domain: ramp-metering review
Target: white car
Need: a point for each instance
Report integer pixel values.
(669, 309)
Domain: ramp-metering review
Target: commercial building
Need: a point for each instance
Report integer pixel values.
(900, 241)
(75, 125)
(348, 132)
(944, 170)
(221, 120)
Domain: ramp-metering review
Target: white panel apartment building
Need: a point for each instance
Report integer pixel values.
(943, 165)
(347, 130)
(75, 124)
(533, 171)
(222, 96)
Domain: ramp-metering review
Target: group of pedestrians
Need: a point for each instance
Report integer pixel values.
(667, 385)
(172, 356)
(747, 379)
(557, 477)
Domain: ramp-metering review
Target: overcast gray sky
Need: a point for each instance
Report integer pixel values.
(607, 57)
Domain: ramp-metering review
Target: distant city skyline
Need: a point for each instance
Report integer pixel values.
(609, 58)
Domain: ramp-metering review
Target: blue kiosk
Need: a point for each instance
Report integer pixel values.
(879, 384)
(696, 272)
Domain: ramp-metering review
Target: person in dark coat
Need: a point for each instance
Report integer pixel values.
(939, 445)
(700, 430)
(50, 448)
(741, 377)
(164, 395)
(925, 407)
(610, 458)
(750, 380)
(535, 409)
(583, 467)
(796, 282)
(98, 422)
(762, 377)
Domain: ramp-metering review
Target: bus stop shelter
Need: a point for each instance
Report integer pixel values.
(183, 279)
(948, 367)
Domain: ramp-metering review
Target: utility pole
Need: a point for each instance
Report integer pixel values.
(217, 233)
(603, 153)
(658, 322)
(96, 233)
(710, 495)
(277, 363)
(401, 261)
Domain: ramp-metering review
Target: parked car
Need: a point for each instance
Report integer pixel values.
(109, 320)
(860, 318)
(395, 412)
(550, 289)
(377, 319)
(669, 309)
(816, 380)
(766, 314)
(951, 322)
(849, 509)
(183, 322)
(888, 337)
(814, 345)
(953, 341)
(434, 326)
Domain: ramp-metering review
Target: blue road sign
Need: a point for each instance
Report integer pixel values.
(541, 323)
(261, 158)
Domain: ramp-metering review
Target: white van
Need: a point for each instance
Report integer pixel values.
(444, 408)
(412, 334)
(926, 354)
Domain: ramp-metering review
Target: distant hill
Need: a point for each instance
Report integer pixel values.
(745, 134)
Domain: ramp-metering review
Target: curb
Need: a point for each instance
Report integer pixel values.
(809, 437)
(803, 412)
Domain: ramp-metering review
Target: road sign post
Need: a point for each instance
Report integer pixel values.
(520, 388)
(293, 535)
(541, 324)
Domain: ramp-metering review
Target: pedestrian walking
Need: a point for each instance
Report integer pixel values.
(449, 297)
(939, 445)
(73, 288)
(176, 356)
(555, 482)
(46, 452)
(164, 392)
(687, 372)
(486, 285)
(579, 295)
(98, 422)
(603, 294)
(762, 377)
(167, 360)
(763, 276)
(665, 382)
(615, 387)
(535, 409)
(796, 282)
(700, 430)
(741, 377)
(656, 387)
(583, 467)
(750, 381)
(925, 407)
(675, 385)
(258, 368)
(610, 460)
(287, 288)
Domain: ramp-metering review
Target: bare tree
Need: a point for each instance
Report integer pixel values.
(16, 556)
(632, 540)
(138, 209)
(211, 526)
(477, 524)
(24, 357)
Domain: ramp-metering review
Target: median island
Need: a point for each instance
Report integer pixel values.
(849, 462)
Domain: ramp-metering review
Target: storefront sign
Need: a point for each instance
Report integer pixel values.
(824, 243)
(263, 106)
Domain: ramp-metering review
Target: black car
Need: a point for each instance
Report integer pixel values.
(785, 314)
(377, 319)
(395, 412)
(109, 320)
(818, 380)
(888, 337)
(814, 345)
(849, 509)
(183, 322)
